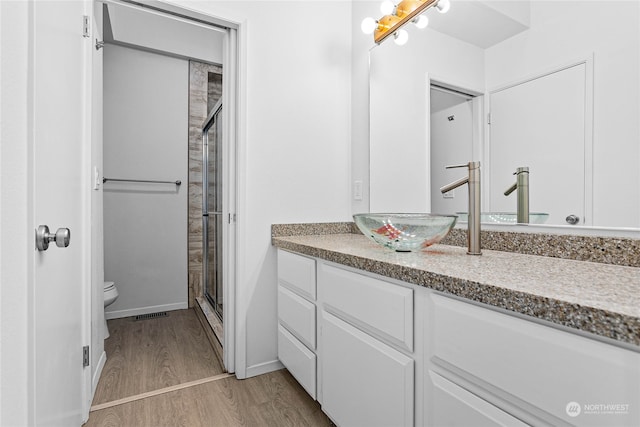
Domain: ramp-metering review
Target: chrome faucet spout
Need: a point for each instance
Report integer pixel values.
(522, 185)
(454, 184)
(473, 222)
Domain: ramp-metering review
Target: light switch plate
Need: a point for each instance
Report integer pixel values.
(357, 190)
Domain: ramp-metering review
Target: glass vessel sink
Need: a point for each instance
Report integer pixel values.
(405, 232)
(506, 217)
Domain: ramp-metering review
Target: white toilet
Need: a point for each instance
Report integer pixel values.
(110, 295)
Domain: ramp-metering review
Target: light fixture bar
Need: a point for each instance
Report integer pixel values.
(405, 12)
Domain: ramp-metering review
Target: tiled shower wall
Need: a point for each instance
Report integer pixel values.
(205, 89)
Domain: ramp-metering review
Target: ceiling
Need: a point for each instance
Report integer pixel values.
(161, 33)
(482, 23)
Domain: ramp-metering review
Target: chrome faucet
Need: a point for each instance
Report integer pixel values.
(473, 223)
(522, 185)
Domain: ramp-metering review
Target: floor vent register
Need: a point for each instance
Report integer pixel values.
(151, 315)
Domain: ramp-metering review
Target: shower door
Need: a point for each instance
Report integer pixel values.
(212, 209)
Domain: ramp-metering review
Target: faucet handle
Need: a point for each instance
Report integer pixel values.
(470, 165)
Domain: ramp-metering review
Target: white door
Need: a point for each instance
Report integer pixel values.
(59, 198)
(541, 124)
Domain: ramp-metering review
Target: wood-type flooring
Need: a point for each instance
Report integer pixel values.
(148, 355)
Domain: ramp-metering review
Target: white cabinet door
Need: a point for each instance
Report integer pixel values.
(364, 382)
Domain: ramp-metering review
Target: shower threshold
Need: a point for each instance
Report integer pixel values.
(212, 319)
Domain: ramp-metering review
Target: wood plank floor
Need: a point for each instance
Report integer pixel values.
(151, 354)
(273, 399)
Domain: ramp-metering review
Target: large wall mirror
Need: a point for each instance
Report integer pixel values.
(549, 85)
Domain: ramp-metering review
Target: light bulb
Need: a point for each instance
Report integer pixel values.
(443, 6)
(401, 37)
(387, 7)
(369, 25)
(421, 21)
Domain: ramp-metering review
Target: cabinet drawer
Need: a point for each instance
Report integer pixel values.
(298, 316)
(538, 365)
(383, 308)
(454, 406)
(298, 359)
(297, 272)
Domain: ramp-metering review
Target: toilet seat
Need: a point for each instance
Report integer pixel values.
(110, 295)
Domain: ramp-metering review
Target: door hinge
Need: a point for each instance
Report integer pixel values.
(86, 26)
(489, 118)
(232, 218)
(85, 356)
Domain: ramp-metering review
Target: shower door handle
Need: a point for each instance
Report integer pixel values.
(232, 217)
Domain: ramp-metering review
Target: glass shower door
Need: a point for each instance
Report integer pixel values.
(212, 212)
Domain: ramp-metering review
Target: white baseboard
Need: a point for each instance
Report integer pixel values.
(98, 372)
(145, 310)
(264, 368)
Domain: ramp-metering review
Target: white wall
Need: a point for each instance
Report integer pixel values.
(295, 149)
(361, 44)
(610, 31)
(145, 137)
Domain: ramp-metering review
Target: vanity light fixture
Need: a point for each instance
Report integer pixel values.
(395, 16)
(387, 7)
(401, 37)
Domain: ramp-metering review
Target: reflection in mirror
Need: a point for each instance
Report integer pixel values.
(554, 147)
(451, 141)
(564, 103)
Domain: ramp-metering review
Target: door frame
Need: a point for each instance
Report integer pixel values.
(477, 131)
(234, 86)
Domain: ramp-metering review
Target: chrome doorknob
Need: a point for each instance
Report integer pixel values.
(44, 237)
(572, 219)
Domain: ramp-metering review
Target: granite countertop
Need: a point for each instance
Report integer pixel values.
(597, 298)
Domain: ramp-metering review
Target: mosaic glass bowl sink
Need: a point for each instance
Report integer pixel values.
(506, 217)
(405, 232)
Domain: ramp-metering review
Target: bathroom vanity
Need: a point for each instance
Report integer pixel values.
(442, 338)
